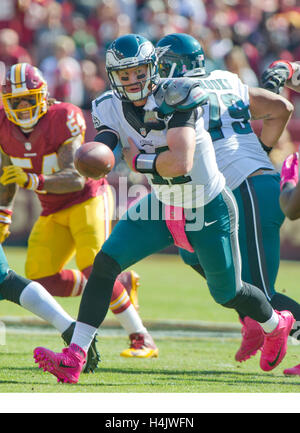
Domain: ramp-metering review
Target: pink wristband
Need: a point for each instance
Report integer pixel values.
(133, 162)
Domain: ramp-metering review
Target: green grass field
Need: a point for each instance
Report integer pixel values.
(169, 291)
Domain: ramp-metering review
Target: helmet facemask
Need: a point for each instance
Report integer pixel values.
(38, 107)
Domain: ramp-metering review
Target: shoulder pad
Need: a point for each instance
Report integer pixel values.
(180, 94)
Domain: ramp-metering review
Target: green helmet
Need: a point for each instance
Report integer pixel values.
(180, 55)
(127, 52)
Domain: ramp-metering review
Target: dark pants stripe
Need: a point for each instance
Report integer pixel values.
(254, 240)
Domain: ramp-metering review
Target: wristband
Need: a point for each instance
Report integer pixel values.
(35, 182)
(285, 63)
(266, 148)
(5, 216)
(145, 163)
(133, 162)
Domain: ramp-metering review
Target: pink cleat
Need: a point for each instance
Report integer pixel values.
(66, 366)
(294, 371)
(275, 346)
(252, 339)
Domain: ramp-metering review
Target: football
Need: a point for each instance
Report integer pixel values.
(94, 160)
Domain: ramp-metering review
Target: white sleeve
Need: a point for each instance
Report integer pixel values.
(103, 112)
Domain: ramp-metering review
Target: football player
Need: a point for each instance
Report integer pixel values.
(162, 133)
(32, 296)
(243, 159)
(282, 73)
(39, 139)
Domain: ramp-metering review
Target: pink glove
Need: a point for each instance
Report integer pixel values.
(290, 170)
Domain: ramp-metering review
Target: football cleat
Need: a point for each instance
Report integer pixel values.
(66, 366)
(252, 339)
(294, 371)
(131, 282)
(93, 356)
(275, 345)
(141, 346)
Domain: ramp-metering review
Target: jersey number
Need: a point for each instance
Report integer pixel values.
(49, 165)
(236, 109)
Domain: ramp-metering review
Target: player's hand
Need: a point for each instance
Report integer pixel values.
(290, 170)
(14, 174)
(5, 221)
(274, 78)
(4, 232)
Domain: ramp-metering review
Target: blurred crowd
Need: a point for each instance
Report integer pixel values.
(67, 39)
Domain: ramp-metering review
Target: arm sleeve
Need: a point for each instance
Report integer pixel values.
(180, 119)
(107, 136)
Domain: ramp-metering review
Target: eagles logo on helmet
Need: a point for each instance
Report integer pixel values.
(24, 82)
(181, 56)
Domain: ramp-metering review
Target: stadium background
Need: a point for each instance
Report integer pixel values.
(67, 41)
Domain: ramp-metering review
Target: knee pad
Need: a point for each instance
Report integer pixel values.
(12, 287)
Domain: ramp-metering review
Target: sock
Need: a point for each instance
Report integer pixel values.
(131, 321)
(65, 283)
(251, 301)
(120, 300)
(83, 335)
(38, 301)
(270, 324)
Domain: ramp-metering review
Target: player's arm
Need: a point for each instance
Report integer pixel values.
(290, 201)
(66, 179)
(7, 195)
(107, 136)
(274, 110)
(178, 159)
(290, 187)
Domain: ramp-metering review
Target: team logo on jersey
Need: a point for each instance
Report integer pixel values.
(143, 132)
(28, 145)
(96, 121)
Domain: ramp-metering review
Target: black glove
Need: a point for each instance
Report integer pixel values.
(274, 78)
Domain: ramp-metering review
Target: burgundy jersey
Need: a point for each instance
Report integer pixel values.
(37, 151)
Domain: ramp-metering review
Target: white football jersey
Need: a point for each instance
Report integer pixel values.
(198, 187)
(227, 119)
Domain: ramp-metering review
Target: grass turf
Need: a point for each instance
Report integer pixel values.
(169, 290)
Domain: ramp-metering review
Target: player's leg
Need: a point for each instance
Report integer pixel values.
(90, 225)
(259, 234)
(50, 247)
(32, 296)
(131, 240)
(218, 251)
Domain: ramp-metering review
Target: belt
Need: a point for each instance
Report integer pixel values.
(262, 171)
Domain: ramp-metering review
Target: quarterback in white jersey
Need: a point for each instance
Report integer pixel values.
(243, 159)
(127, 121)
(161, 123)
